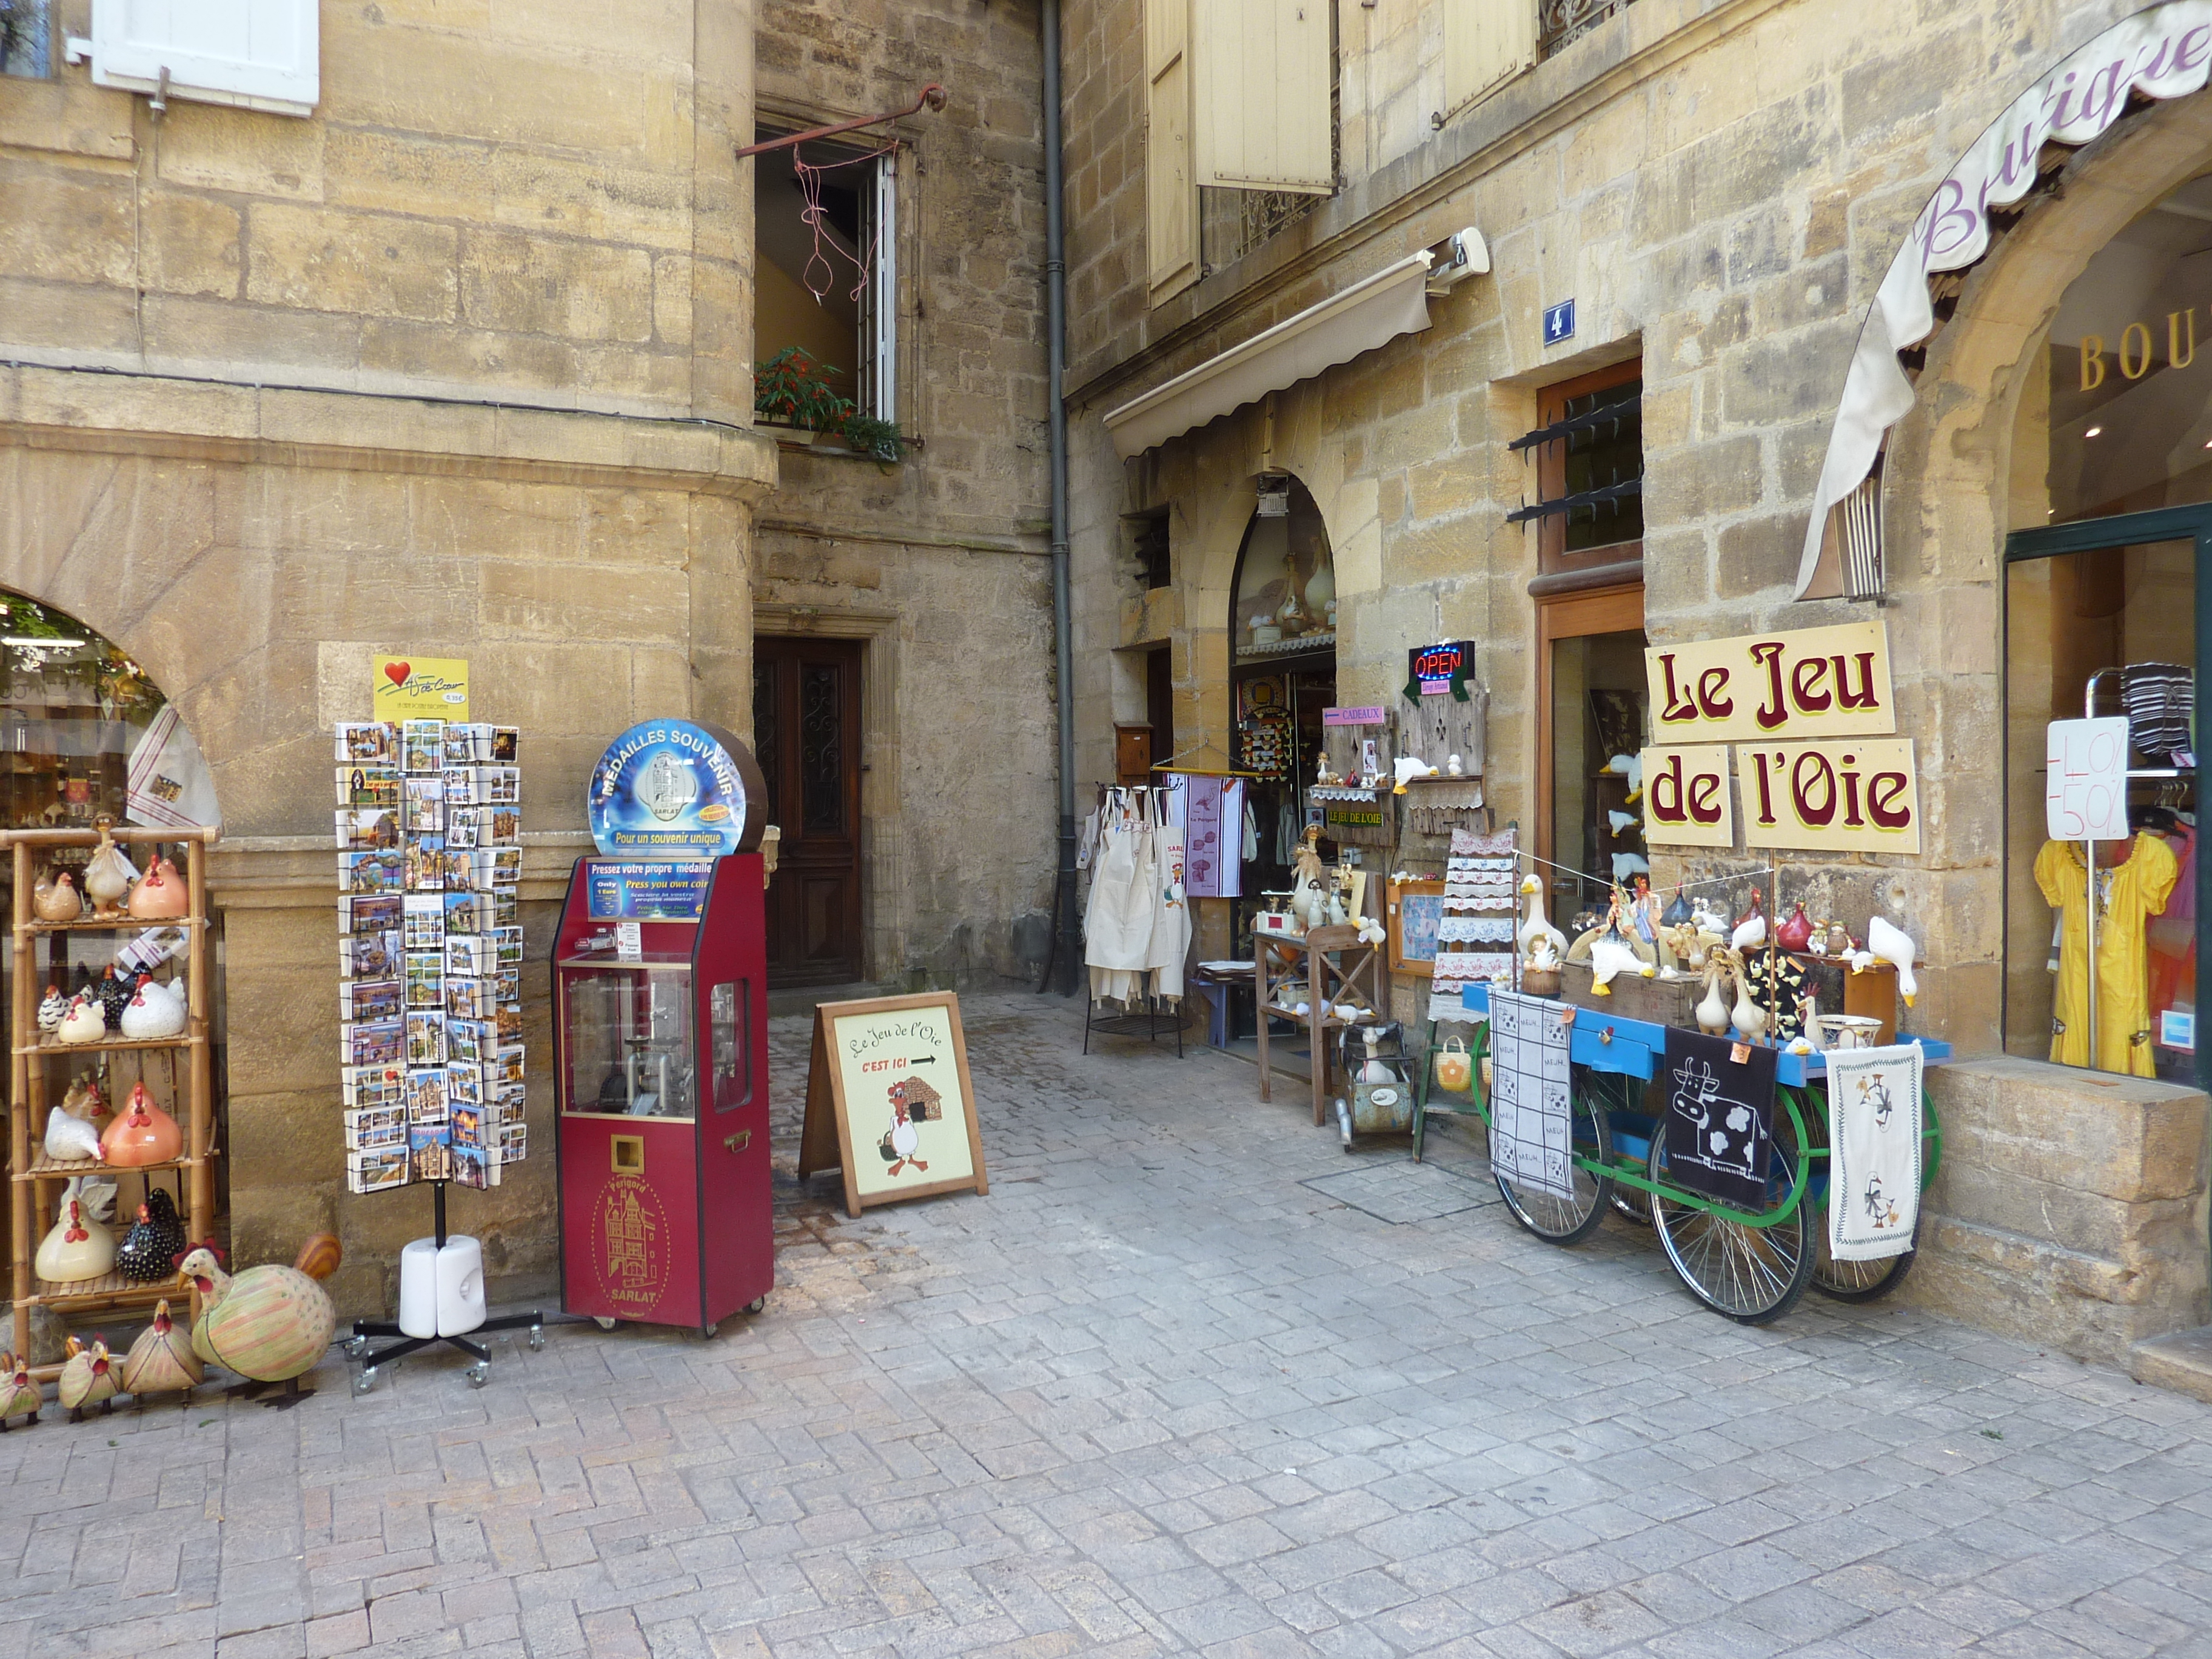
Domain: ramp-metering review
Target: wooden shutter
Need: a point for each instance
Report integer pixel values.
(259, 54)
(1170, 191)
(1486, 42)
(1262, 96)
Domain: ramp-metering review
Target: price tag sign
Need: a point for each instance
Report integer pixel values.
(2084, 788)
(630, 942)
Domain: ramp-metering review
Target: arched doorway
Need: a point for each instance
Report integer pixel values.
(1282, 672)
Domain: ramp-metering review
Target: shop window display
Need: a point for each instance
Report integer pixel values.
(1599, 723)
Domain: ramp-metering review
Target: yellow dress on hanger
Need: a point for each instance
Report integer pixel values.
(2131, 894)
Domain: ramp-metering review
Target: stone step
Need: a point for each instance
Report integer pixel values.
(2182, 1362)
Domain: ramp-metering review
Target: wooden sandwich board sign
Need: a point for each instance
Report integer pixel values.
(887, 1100)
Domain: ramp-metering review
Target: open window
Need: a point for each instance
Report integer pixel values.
(826, 271)
(25, 31)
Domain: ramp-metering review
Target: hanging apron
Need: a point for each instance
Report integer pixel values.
(1171, 921)
(1118, 925)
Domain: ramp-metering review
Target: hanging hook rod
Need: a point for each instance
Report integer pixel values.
(933, 96)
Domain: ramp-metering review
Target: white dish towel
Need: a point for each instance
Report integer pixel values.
(1873, 1158)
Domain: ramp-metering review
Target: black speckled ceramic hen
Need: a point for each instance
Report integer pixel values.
(150, 1250)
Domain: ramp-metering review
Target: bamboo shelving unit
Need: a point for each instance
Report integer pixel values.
(36, 1179)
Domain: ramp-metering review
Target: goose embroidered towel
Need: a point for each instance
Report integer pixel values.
(1720, 1118)
(1874, 1159)
(1530, 1134)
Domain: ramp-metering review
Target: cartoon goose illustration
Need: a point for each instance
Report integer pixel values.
(898, 1146)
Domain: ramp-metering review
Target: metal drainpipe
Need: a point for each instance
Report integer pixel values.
(1068, 949)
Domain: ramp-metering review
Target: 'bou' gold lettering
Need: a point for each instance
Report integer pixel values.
(2092, 362)
(2141, 360)
(2175, 355)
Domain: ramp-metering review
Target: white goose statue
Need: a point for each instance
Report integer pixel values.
(1538, 925)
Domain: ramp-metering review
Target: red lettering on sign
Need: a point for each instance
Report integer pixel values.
(1865, 696)
(1711, 684)
(1765, 795)
(1805, 685)
(1679, 706)
(1767, 654)
(1664, 792)
(1823, 778)
(1882, 791)
(1705, 806)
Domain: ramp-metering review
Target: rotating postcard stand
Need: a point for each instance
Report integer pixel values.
(660, 1032)
(442, 1300)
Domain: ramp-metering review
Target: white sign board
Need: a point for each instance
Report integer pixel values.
(2085, 787)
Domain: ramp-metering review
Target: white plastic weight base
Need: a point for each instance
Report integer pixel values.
(441, 1292)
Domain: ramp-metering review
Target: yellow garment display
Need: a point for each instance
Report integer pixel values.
(2129, 895)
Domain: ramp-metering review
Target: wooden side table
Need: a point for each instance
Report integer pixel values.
(1336, 967)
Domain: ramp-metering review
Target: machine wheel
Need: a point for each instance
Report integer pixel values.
(708, 1331)
(537, 1338)
(479, 1374)
(602, 1322)
(1751, 1274)
(757, 1304)
(355, 1347)
(365, 1380)
(1633, 1205)
(1558, 1220)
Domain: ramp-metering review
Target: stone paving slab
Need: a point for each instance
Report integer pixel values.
(1188, 1381)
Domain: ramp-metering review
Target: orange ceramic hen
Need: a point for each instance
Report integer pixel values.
(143, 1134)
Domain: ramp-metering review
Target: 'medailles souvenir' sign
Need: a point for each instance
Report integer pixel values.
(1807, 683)
(676, 789)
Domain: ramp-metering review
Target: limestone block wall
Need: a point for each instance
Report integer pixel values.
(512, 197)
(939, 564)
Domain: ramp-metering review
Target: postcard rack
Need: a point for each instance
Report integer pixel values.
(43, 1064)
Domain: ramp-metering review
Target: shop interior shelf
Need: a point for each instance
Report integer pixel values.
(116, 924)
(109, 1044)
(57, 1168)
(108, 1287)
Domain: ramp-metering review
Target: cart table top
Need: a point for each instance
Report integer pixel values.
(1635, 1048)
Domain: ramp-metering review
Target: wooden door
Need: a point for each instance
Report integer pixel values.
(806, 733)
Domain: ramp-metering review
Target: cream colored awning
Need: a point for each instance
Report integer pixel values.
(1393, 301)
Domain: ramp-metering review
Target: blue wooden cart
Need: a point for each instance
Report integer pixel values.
(1750, 1266)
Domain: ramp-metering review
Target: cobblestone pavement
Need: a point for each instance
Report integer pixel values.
(1188, 1381)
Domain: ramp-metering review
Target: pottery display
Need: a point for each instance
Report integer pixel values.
(19, 1395)
(55, 898)
(154, 1011)
(108, 877)
(149, 1253)
(83, 1023)
(89, 1377)
(160, 894)
(269, 1324)
(76, 1249)
(141, 1133)
(161, 1360)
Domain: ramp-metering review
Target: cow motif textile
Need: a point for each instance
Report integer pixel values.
(1720, 1118)
(1873, 1158)
(1531, 1129)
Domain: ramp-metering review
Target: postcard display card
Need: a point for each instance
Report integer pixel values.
(429, 843)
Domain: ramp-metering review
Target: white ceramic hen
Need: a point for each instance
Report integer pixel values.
(154, 1011)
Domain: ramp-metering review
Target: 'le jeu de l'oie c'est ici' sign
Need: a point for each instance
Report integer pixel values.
(1818, 772)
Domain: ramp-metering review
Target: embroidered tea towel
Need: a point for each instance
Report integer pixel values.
(1720, 1118)
(1874, 1137)
(1531, 1129)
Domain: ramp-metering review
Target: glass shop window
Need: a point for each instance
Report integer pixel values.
(1286, 577)
(1598, 722)
(1588, 448)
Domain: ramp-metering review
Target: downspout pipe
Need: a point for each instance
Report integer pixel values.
(1068, 948)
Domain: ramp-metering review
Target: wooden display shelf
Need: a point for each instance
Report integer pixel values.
(112, 1044)
(44, 1167)
(36, 1080)
(120, 925)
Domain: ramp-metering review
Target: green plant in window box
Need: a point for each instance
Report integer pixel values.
(880, 440)
(792, 389)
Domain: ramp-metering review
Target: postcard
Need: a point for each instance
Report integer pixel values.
(373, 913)
(370, 1042)
(422, 747)
(370, 956)
(378, 1171)
(370, 872)
(366, 743)
(363, 1087)
(369, 785)
(368, 998)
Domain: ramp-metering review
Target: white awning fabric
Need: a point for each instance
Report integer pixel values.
(1393, 301)
(2161, 51)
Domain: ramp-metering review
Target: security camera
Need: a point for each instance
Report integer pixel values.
(1465, 255)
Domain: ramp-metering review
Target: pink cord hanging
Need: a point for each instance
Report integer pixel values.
(810, 188)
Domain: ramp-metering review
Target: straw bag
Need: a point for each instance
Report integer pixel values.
(1453, 1069)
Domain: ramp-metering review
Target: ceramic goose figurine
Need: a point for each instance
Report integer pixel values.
(1538, 925)
(1712, 1013)
(107, 876)
(1612, 954)
(1748, 1017)
(1887, 943)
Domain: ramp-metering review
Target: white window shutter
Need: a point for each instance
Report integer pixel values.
(1486, 42)
(1170, 192)
(1262, 93)
(256, 54)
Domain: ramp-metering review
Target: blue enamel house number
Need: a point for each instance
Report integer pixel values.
(1559, 322)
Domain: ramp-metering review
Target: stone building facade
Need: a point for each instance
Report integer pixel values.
(1720, 187)
(460, 364)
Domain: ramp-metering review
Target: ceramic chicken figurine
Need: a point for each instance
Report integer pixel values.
(108, 877)
(71, 1136)
(55, 898)
(83, 1023)
(160, 894)
(154, 1011)
(269, 1324)
(77, 1248)
(141, 1133)
(52, 1010)
(114, 992)
(19, 1395)
(89, 1377)
(149, 1253)
(161, 1360)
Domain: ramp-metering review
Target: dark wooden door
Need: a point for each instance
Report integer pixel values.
(807, 731)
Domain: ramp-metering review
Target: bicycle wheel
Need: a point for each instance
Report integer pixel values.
(1558, 1220)
(1751, 1274)
(1859, 1281)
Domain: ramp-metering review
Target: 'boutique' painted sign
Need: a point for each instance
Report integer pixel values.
(676, 789)
(1810, 683)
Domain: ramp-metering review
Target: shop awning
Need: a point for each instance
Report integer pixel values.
(1393, 301)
